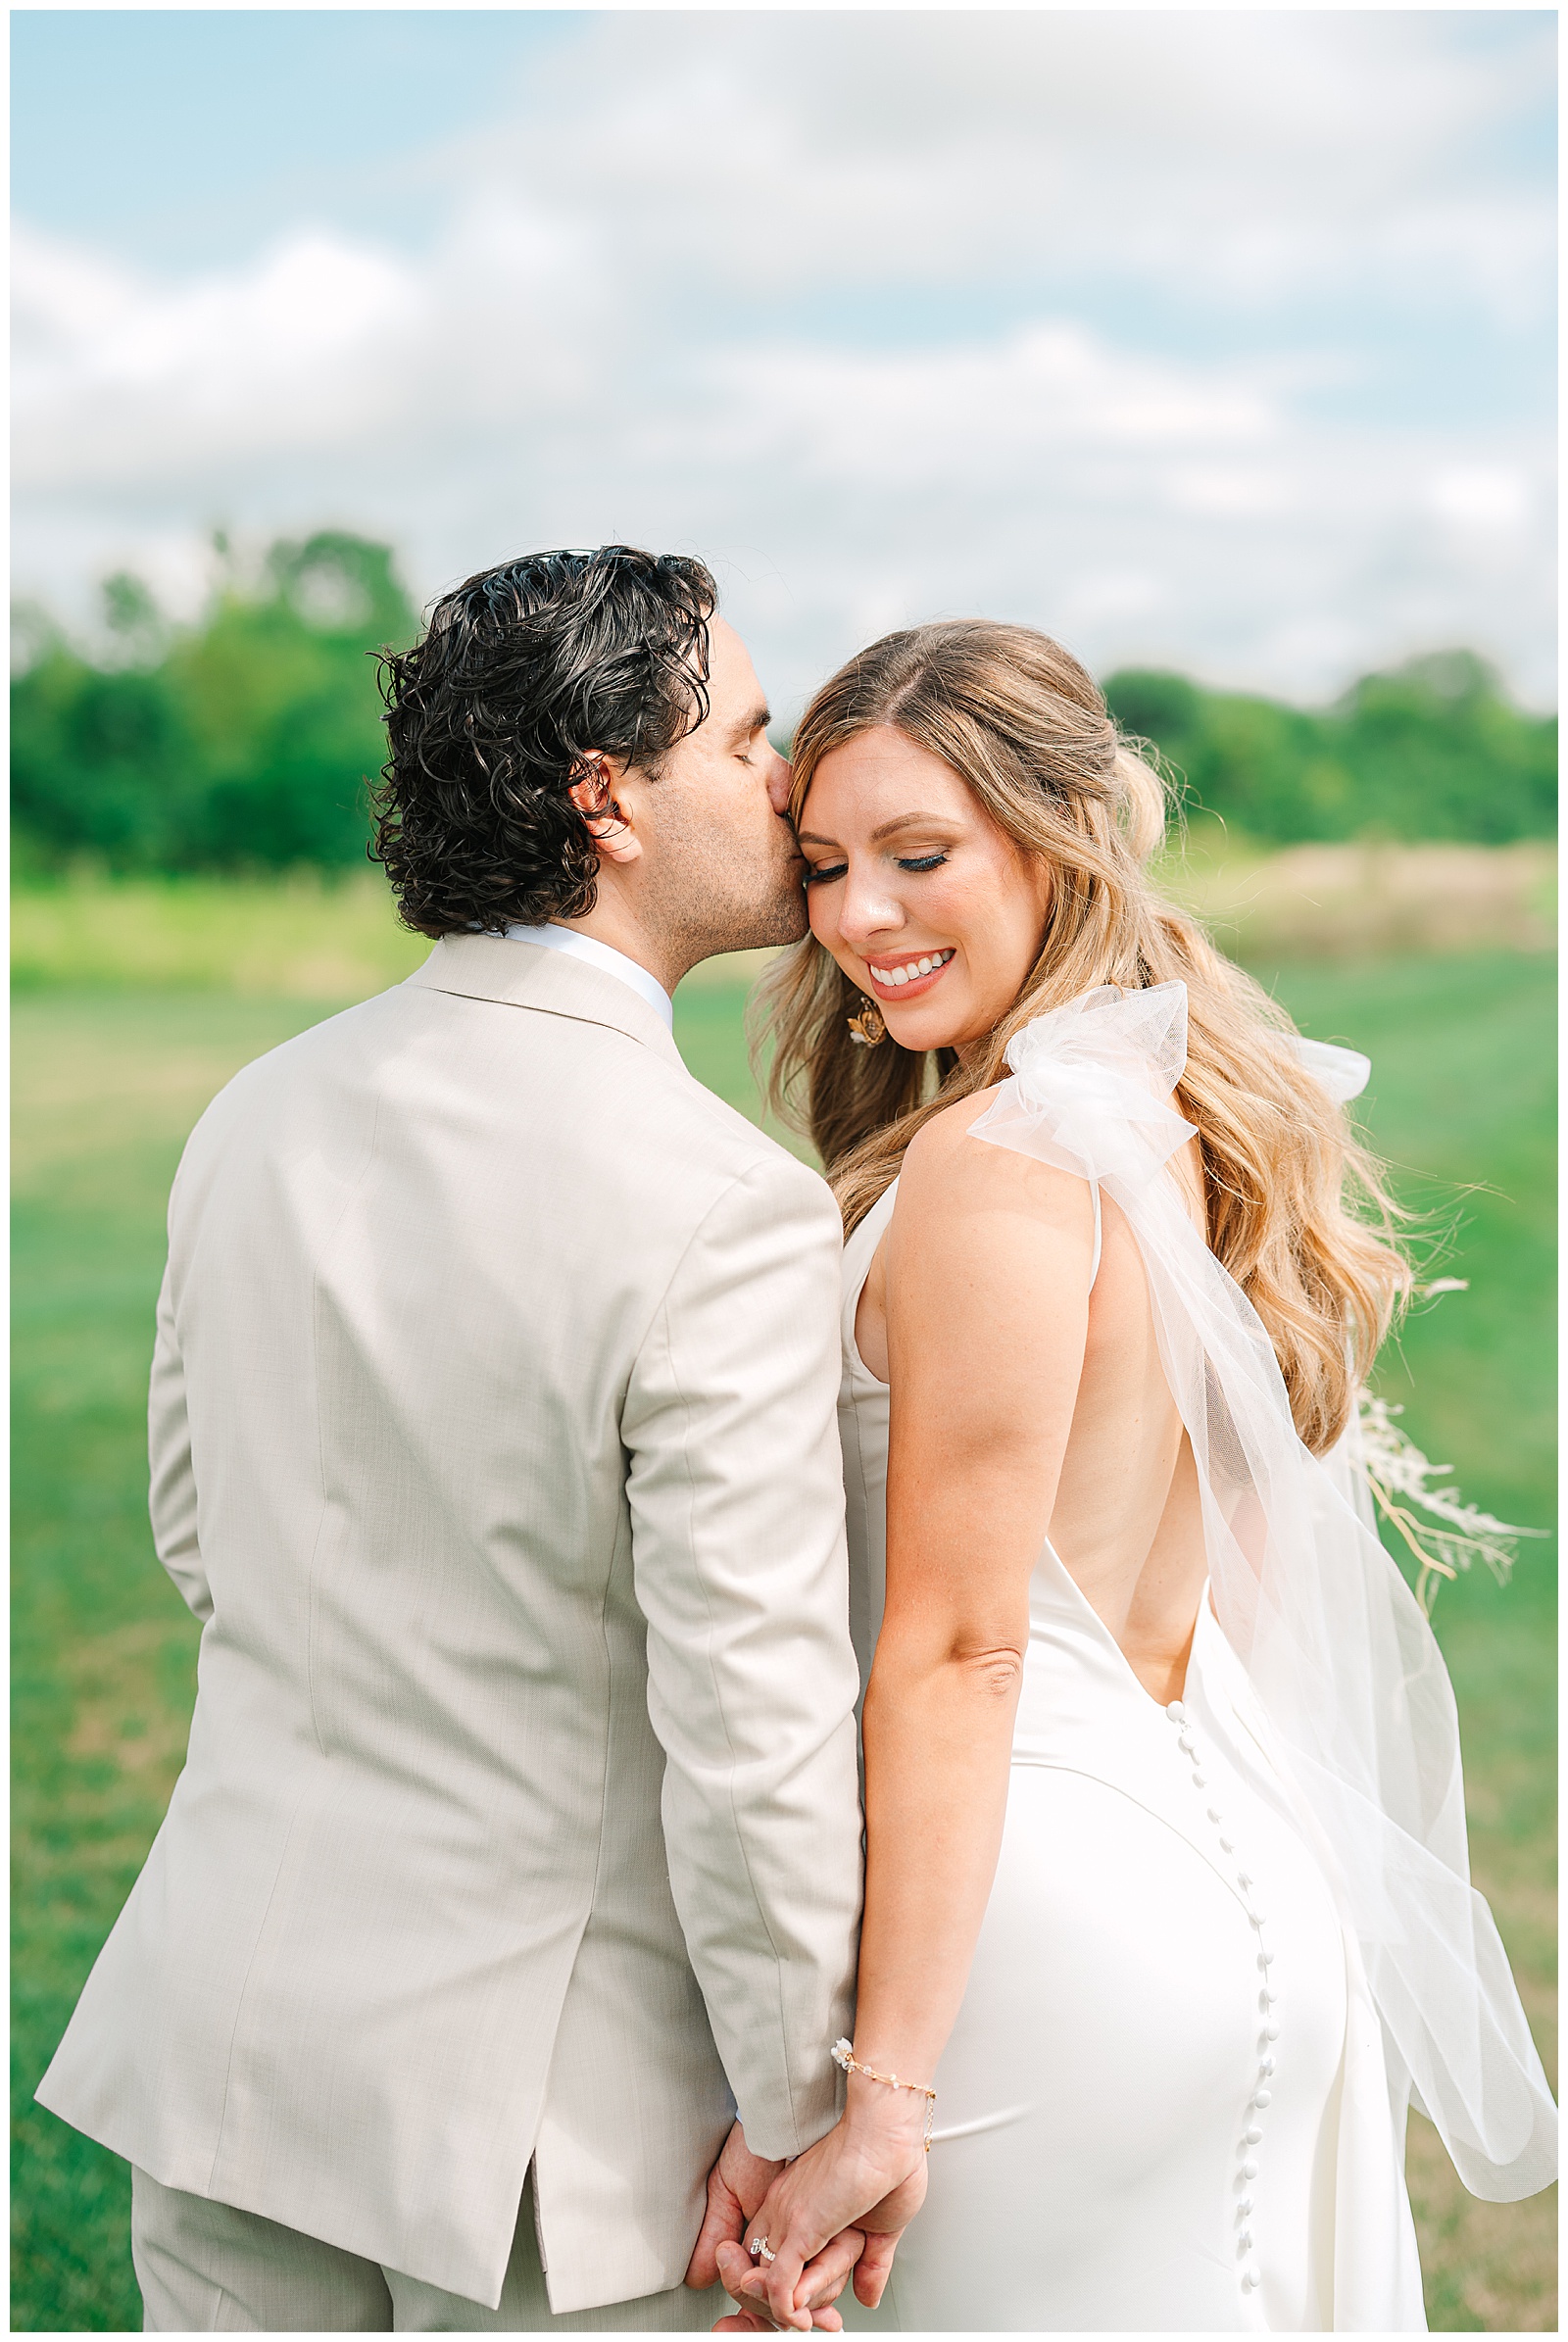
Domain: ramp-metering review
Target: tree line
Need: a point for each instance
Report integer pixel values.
(245, 741)
(1432, 749)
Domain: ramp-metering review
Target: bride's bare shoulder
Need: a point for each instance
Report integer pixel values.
(947, 1168)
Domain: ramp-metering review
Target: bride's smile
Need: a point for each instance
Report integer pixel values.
(914, 975)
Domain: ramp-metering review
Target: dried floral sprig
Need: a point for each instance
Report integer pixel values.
(1456, 1533)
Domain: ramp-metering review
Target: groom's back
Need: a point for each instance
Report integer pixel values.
(413, 1255)
(424, 1459)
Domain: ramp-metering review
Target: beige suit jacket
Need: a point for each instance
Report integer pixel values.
(493, 1440)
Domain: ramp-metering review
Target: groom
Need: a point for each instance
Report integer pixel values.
(493, 1443)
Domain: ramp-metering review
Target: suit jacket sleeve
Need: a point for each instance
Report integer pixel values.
(737, 1503)
(172, 1498)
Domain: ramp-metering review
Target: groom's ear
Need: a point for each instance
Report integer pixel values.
(593, 795)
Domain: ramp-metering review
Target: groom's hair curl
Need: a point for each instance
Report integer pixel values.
(523, 673)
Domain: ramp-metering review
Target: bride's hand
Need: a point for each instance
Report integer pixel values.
(824, 2280)
(736, 2187)
(868, 2174)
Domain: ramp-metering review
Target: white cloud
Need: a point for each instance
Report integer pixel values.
(979, 416)
(1246, 153)
(1481, 498)
(887, 314)
(119, 382)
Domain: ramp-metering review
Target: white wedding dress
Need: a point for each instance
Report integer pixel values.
(1170, 2103)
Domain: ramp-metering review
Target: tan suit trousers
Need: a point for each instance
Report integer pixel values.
(207, 2269)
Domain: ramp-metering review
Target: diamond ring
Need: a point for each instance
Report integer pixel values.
(758, 2250)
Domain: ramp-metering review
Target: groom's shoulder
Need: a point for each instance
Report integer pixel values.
(731, 1149)
(569, 1097)
(685, 1140)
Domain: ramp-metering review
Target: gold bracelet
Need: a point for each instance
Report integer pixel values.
(843, 2055)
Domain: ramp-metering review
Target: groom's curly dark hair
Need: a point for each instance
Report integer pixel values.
(523, 673)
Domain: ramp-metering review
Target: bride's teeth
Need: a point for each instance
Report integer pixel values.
(915, 970)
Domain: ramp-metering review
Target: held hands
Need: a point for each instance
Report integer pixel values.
(737, 2185)
(863, 2182)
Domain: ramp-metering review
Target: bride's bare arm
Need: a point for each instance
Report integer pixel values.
(987, 1303)
(988, 1271)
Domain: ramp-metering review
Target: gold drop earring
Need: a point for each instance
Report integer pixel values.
(869, 1028)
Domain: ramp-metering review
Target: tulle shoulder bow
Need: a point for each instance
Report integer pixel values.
(1090, 1085)
(1092, 1082)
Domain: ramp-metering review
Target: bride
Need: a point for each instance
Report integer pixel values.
(1167, 1909)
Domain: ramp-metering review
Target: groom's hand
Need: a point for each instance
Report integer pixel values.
(822, 2282)
(870, 2174)
(736, 2186)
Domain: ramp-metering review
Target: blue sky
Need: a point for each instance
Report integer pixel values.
(1217, 340)
(182, 136)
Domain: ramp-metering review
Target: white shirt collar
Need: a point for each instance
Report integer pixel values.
(600, 955)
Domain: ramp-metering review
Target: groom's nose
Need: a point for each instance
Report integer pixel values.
(779, 777)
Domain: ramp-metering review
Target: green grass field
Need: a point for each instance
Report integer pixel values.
(107, 1081)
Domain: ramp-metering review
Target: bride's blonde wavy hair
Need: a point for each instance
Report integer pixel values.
(1298, 1211)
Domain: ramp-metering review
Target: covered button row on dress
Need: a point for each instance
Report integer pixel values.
(1267, 2001)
